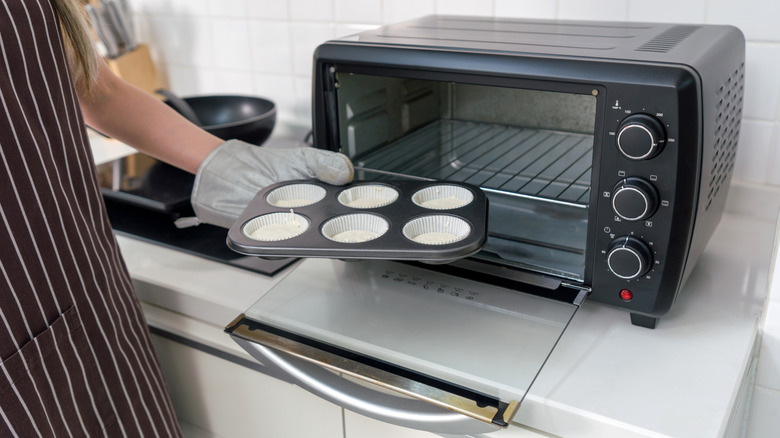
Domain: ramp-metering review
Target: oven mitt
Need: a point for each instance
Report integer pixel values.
(230, 177)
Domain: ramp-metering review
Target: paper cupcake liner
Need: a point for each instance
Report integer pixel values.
(436, 230)
(355, 228)
(295, 195)
(273, 227)
(368, 196)
(443, 197)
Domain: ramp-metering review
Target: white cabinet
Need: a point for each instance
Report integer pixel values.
(230, 400)
(215, 397)
(359, 426)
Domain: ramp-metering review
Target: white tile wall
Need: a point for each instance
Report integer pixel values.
(265, 47)
(762, 78)
(757, 18)
(755, 149)
(400, 10)
(658, 10)
(269, 9)
(527, 8)
(306, 10)
(593, 9)
(358, 11)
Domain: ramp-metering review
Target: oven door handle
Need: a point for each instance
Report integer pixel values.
(385, 407)
(368, 388)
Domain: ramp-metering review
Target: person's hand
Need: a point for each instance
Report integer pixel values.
(235, 171)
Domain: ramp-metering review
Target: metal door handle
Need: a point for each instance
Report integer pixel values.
(382, 406)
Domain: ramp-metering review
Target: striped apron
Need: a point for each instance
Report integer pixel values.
(75, 353)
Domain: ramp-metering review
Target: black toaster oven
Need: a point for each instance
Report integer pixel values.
(606, 149)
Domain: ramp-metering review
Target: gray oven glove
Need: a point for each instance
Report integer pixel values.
(234, 172)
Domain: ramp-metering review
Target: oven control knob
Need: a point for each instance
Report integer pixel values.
(640, 137)
(629, 257)
(634, 199)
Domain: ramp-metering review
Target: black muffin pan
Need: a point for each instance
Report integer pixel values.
(428, 221)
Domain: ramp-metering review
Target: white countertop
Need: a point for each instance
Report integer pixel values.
(605, 378)
(680, 379)
(106, 149)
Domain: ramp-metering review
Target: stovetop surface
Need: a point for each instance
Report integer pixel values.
(204, 240)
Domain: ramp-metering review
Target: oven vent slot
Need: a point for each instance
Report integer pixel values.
(667, 40)
(728, 107)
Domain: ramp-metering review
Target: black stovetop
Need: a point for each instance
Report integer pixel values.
(148, 213)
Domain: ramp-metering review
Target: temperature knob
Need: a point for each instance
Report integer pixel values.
(634, 199)
(640, 137)
(629, 257)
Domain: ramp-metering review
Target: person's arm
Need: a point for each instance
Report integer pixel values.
(132, 116)
(228, 174)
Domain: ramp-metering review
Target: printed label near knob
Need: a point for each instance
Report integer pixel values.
(640, 137)
(629, 257)
(634, 199)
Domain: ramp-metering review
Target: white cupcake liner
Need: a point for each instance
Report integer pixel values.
(295, 195)
(273, 227)
(355, 228)
(368, 196)
(452, 229)
(443, 197)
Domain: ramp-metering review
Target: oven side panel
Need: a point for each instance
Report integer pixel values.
(722, 74)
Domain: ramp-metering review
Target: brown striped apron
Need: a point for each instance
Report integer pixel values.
(75, 354)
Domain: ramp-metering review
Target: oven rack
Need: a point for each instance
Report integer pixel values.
(537, 163)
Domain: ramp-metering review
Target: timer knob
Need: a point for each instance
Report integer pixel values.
(640, 137)
(629, 257)
(634, 199)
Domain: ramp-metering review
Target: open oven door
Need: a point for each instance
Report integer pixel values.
(409, 345)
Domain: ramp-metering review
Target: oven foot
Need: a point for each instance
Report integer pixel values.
(643, 320)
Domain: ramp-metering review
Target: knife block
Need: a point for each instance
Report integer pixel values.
(137, 68)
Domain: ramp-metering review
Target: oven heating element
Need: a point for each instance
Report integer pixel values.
(543, 164)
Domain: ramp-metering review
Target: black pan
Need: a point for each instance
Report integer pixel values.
(246, 118)
(166, 189)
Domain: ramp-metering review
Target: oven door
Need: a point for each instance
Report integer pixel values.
(406, 344)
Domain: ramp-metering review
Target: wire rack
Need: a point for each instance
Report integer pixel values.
(542, 164)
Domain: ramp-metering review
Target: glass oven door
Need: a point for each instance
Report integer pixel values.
(428, 349)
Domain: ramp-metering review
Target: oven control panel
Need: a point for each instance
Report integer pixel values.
(641, 170)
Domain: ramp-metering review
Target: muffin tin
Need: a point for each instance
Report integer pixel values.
(428, 221)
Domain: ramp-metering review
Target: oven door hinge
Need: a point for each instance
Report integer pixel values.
(583, 292)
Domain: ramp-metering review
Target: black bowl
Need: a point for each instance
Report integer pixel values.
(246, 118)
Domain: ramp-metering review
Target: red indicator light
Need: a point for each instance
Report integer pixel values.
(626, 295)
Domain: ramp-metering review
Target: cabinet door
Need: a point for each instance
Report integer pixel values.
(230, 400)
(359, 426)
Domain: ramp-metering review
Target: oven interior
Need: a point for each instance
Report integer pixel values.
(530, 150)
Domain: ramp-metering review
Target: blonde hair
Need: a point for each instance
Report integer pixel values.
(79, 47)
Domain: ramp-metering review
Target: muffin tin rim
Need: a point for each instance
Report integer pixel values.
(297, 183)
(243, 226)
(323, 223)
(367, 183)
(473, 196)
(464, 219)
